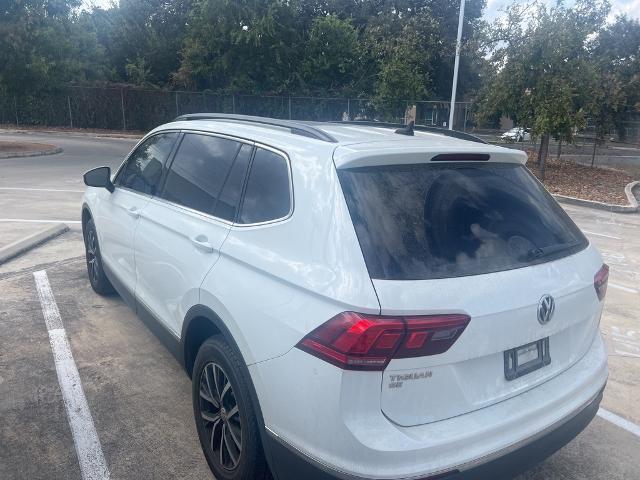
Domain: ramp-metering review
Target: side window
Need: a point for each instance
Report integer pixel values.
(143, 169)
(267, 196)
(199, 171)
(227, 205)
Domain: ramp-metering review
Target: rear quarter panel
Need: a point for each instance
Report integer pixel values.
(274, 283)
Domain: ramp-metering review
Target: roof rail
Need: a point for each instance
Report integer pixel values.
(421, 128)
(297, 128)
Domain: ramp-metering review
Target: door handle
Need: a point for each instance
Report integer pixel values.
(202, 243)
(133, 212)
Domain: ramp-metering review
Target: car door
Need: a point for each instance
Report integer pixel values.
(182, 229)
(117, 213)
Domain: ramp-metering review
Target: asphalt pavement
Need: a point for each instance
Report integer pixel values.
(48, 188)
(138, 397)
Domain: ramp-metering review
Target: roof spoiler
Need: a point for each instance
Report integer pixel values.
(411, 126)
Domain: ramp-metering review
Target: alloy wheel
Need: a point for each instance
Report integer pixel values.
(92, 256)
(220, 416)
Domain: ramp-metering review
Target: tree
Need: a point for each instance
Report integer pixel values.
(142, 39)
(43, 46)
(615, 90)
(332, 57)
(243, 46)
(542, 68)
(393, 51)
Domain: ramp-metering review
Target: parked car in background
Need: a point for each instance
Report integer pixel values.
(516, 134)
(355, 300)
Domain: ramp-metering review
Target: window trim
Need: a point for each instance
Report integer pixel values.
(165, 164)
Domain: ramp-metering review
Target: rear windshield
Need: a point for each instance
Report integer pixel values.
(424, 221)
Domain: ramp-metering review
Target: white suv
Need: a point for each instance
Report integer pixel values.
(354, 301)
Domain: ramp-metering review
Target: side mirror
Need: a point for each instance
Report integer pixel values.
(99, 177)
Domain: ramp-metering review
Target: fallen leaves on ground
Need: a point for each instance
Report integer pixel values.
(581, 181)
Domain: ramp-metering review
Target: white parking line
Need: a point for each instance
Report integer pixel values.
(601, 235)
(92, 463)
(41, 189)
(619, 421)
(25, 220)
(624, 289)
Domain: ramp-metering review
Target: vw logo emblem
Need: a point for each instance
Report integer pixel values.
(546, 307)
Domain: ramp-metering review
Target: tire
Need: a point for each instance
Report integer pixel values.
(219, 372)
(99, 281)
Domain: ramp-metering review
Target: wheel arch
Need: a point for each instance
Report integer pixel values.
(86, 216)
(200, 323)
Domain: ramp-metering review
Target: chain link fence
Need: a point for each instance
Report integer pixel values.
(133, 109)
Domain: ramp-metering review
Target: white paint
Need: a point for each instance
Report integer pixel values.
(624, 353)
(619, 421)
(625, 342)
(625, 289)
(601, 235)
(41, 190)
(625, 335)
(92, 463)
(24, 220)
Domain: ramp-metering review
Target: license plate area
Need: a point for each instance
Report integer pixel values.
(526, 359)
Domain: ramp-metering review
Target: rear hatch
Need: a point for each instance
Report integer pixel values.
(483, 239)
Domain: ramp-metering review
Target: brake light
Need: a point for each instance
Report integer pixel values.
(461, 157)
(355, 341)
(600, 281)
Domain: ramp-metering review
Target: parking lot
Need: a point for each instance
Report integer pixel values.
(138, 397)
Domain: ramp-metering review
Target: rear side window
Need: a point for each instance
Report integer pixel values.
(199, 171)
(144, 166)
(423, 221)
(267, 196)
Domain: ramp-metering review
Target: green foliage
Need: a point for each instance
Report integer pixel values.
(547, 67)
(331, 62)
(616, 63)
(542, 71)
(242, 46)
(382, 49)
(42, 46)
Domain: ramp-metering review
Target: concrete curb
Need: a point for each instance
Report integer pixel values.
(32, 153)
(632, 207)
(21, 246)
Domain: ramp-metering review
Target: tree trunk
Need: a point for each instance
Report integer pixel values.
(593, 156)
(559, 148)
(540, 150)
(544, 149)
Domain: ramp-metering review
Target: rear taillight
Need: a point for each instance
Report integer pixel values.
(355, 341)
(600, 281)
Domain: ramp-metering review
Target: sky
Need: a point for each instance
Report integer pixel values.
(630, 7)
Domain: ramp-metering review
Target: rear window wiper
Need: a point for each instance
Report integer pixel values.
(536, 253)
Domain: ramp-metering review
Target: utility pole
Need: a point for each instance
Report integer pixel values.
(456, 65)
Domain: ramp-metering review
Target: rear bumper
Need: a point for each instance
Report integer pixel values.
(289, 464)
(334, 425)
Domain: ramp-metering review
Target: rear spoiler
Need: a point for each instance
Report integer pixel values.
(408, 129)
(397, 153)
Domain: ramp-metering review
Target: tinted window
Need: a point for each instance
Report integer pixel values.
(199, 170)
(143, 169)
(437, 221)
(267, 195)
(227, 205)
